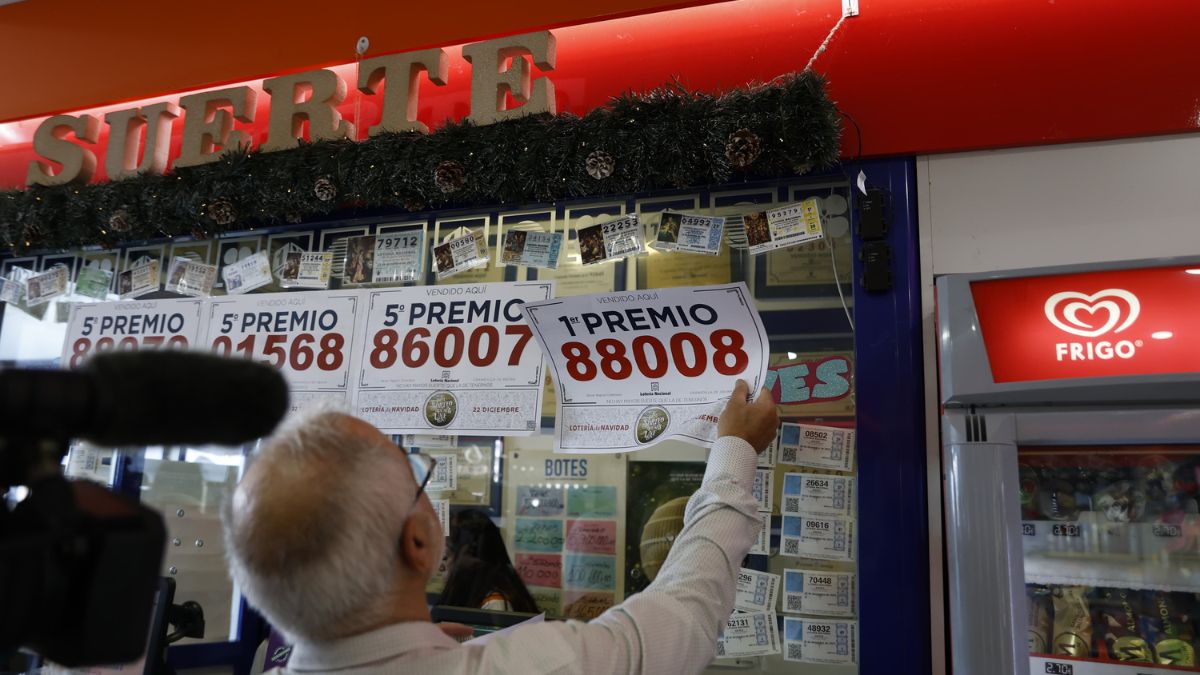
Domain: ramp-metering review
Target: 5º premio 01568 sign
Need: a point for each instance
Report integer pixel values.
(457, 358)
(307, 336)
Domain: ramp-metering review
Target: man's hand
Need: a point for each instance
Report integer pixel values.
(756, 423)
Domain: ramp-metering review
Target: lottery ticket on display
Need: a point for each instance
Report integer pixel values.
(816, 537)
(783, 227)
(818, 495)
(455, 359)
(689, 233)
(188, 277)
(815, 592)
(306, 270)
(749, 634)
(460, 254)
(442, 508)
(764, 488)
(430, 441)
(767, 458)
(615, 239)
(93, 282)
(41, 288)
(816, 446)
(756, 591)
(762, 544)
(247, 274)
(398, 257)
(787, 226)
(140, 280)
(820, 641)
(445, 472)
(531, 249)
(12, 291)
(635, 368)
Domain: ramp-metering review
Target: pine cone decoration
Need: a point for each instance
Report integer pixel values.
(414, 204)
(600, 164)
(450, 176)
(324, 189)
(198, 233)
(33, 235)
(802, 169)
(220, 211)
(120, 221)
(292, 217)
(742, 148)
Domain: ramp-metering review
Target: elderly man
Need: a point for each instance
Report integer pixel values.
(330, 536)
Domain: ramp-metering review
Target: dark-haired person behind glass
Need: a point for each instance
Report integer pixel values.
(480, 572)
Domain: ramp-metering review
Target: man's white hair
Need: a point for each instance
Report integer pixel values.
(314, 542)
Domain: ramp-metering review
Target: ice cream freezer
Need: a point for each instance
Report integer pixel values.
(1071, 446)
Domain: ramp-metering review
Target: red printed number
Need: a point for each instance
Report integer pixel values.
(481, 346)
(651, 357)
(300, 354)
(83, 346)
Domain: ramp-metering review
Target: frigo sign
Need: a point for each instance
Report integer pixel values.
(139, 138)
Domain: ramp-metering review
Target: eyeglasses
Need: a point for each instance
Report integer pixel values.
(422, 468)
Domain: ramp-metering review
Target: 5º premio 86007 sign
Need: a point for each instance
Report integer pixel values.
(458, 359)
(639, 367)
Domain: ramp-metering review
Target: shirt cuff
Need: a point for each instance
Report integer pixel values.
(733, 457)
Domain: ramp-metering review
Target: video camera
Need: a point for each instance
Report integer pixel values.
(79, 565)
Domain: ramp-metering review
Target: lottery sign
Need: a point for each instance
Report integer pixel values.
(457, 358)
(129, 326)
(307, 336)
(636, 368)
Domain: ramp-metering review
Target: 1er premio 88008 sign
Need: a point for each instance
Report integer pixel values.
(1092, 324)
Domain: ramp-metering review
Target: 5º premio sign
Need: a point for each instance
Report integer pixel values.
(638, 367)
(307, 336)
(456, 358)
(130, 326)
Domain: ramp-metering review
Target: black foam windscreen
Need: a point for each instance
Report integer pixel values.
(170, 397)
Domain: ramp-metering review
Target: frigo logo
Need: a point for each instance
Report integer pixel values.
(1105, 312)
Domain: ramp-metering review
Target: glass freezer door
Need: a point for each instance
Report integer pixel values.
(1111, 539)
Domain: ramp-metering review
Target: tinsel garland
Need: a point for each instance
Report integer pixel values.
(666, 138)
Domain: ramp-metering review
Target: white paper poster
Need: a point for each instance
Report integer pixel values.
(817, 537)
(453, 359)
(127, 326)
(307, 336)
(636, 368)
(756, 591)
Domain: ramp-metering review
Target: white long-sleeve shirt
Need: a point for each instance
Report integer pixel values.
(671, 627)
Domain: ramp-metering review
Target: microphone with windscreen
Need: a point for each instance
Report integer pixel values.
(146, 398)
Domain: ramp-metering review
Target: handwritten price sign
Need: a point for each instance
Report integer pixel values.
(307, 336)
(638, 367)
(457, 358)
(130, 326)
